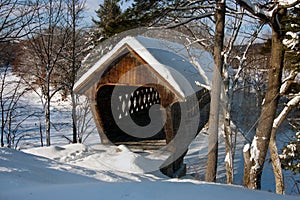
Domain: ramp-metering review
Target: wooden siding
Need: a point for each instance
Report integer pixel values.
(131, 70)
(128, 71)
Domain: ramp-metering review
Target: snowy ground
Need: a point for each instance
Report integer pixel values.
(95, 171)
(78, 171)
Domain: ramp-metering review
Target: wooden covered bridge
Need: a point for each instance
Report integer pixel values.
(144, 85)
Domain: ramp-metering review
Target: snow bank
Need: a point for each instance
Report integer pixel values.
(102, 157)
(137, 191)
(27, 176)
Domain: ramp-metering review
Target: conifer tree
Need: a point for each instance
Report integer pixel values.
(112, 20)
(109, 18)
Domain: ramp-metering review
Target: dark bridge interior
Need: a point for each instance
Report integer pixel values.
(131, 102)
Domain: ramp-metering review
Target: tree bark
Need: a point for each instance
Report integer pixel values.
(276, 163)
(247, 164)
(41, 135)
(229, 152)
(47, 121)
(74, 117)
(47, 108)
(212, 159)
(74, 70)
(2, 107)
(273, 148)
(263, 132)
(2, 125)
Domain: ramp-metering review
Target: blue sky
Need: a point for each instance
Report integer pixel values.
(91, 6)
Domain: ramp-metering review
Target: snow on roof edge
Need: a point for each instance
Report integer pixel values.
(83, 79)
(136, 44)
(161, 69)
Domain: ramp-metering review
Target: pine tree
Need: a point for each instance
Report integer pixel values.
(110, 16)
(140, 14)
(145, 13)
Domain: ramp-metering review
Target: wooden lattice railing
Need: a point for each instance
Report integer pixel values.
(138, 101)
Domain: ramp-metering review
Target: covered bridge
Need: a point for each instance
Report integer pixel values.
(143, 92)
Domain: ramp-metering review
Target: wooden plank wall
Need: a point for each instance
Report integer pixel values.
(130, 70)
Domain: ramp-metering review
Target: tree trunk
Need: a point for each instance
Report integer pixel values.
(276, 163)
(229, 153)
(2, 110)
(212, 159)
(260, 143)
(229, 143)
(47, 121)
(47, 110)
(247, 165)
(74, 116)
(273, 148)
(74, 71)
(9, 134)
(2, 126)
(2, 139)
(41, 135)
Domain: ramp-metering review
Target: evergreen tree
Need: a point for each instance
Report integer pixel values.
(145, 13)
(140, 14)
(110, 18)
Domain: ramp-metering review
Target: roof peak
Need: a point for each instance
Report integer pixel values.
(181, 66)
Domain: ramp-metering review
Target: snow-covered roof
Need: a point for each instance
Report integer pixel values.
(179, 65)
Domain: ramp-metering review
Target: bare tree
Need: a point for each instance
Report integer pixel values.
(212, 160)
(229, 134)
(73, 54)
(84, 120)
(12, 117)
(276, 163)
(44, 50)
(15, 16)
(231, 85)
(272, 13)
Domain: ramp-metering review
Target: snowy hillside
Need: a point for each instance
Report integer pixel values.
(80, 172)
(96, 171)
